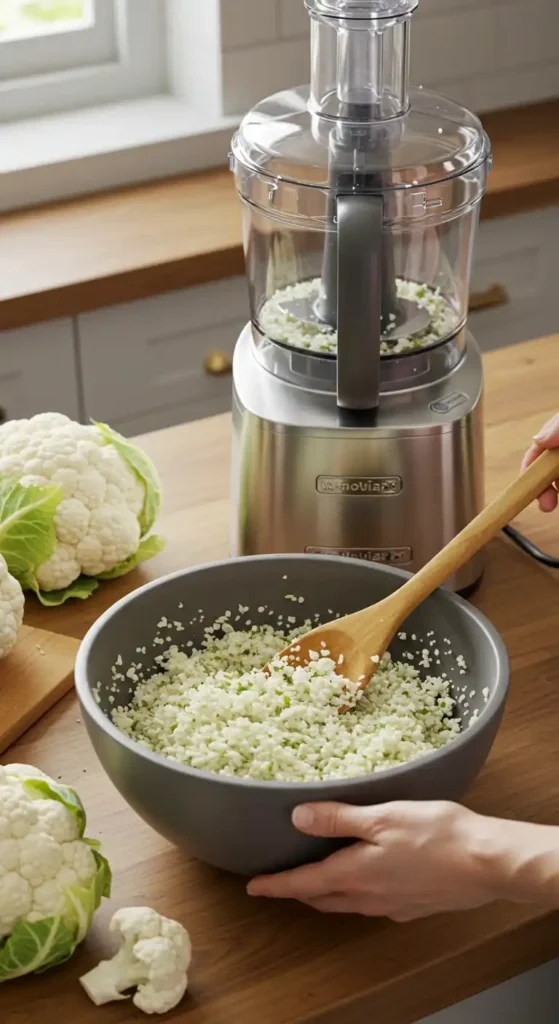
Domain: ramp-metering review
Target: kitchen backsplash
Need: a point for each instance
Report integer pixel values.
(487, 54)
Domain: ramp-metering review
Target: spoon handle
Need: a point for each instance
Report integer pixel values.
(516, 497)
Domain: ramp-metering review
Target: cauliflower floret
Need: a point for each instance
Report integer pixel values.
(40, 859)
(79, 859)
(112, 530)
(21, 771)
(49, 899)
(97, 522)
(17, 817)
(16, 900)
(71, 520)
(119, 487)
(60, 570)
(154, 960)
(11, 609)
(167, 979)
(41, 852)
(9, 856)
(54, 820)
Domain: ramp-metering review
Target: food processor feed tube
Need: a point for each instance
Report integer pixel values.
(358, 294)
(357, 411)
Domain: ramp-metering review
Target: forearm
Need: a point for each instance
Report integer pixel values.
(523, 862)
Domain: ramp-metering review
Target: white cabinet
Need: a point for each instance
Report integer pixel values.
(531, 998)
(144, 364)
(38, 371)
(516, 259)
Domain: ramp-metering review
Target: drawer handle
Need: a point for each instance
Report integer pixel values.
(495, 296)
(218, 364)
(3, 415)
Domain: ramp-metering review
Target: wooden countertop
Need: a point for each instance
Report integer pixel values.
(282, 964)
(64, 259)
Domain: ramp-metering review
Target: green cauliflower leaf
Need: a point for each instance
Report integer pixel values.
(143, 469)
(27, 531)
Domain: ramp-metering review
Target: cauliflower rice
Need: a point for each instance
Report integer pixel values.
(282, 327)
(215, 709)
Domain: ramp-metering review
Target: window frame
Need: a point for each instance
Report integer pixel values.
(60, 47)
(170, 129)
(121, 56)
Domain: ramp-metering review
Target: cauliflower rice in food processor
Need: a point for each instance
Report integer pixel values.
(214, 709)
(287, 329)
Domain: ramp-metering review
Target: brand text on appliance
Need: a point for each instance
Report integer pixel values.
(386, 556)
(360, 486)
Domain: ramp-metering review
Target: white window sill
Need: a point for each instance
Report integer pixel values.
(72, 154)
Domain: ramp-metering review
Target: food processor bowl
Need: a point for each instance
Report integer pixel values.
(360, 202)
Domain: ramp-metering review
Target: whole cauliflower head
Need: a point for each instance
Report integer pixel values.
(106, 494)
(11, 609)
(52, 880)
(154, 959)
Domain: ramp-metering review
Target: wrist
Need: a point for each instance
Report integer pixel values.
(520, 861)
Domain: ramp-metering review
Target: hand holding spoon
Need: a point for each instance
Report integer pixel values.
(357, 642)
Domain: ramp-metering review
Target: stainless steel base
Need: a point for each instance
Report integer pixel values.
(307, 477)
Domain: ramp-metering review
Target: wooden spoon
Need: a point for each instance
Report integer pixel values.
(357, 642)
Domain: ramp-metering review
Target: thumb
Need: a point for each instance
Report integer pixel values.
(331, 820)
(548, 436)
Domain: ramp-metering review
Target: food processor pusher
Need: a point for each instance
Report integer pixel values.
(358, 295)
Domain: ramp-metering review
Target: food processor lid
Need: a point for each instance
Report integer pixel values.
(363, 10)
(435, 140)
(359, 116)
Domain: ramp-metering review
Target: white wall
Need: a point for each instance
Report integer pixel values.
(485, 53)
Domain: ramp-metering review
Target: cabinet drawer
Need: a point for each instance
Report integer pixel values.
(38, 371)
(145, 364)
(514, 264)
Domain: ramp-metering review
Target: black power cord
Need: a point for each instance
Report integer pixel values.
(531, 549)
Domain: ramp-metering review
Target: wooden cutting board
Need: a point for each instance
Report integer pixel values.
(37, 673)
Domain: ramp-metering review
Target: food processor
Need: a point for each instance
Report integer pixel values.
(357, 402)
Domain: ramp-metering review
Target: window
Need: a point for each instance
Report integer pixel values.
(58, 55)
(39, 17)
(39, 37)
(100, 93)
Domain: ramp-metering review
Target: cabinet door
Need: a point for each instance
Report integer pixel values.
(514, 279)
(38, 371)
(148, 364)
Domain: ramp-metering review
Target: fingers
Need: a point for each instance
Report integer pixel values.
(533, 453)
(343, 903)
(548, 500)
(339, 903)
(329, 820)
(306, 883)
(344, 821)
(548, 436)
(332, 820)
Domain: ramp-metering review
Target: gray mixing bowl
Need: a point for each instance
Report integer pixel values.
(244, 826)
